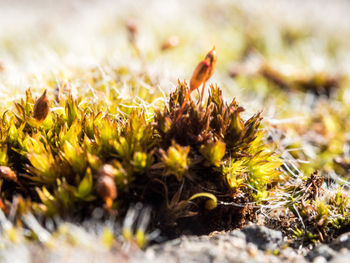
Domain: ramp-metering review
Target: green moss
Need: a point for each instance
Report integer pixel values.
(210, 150)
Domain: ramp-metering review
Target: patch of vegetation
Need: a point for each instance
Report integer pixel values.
(200, 167)
(77, 158)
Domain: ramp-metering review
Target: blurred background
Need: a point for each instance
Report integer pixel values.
(49, 37)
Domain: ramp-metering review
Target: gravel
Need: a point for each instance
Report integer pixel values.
(253, 244)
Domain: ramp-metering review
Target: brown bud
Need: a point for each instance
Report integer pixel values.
(171, 42)
(106, 189)
(7, 174)
(132, 30)
(132, 27)
(2, 67)
(199, 75)
(41, 107)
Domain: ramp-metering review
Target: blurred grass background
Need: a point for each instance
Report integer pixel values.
(46, 37)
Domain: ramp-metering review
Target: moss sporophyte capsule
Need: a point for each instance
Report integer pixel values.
(41, 108)
(106, 187)
(201, 74)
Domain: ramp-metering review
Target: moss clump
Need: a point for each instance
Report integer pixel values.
(319, 214)
(209, 153)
